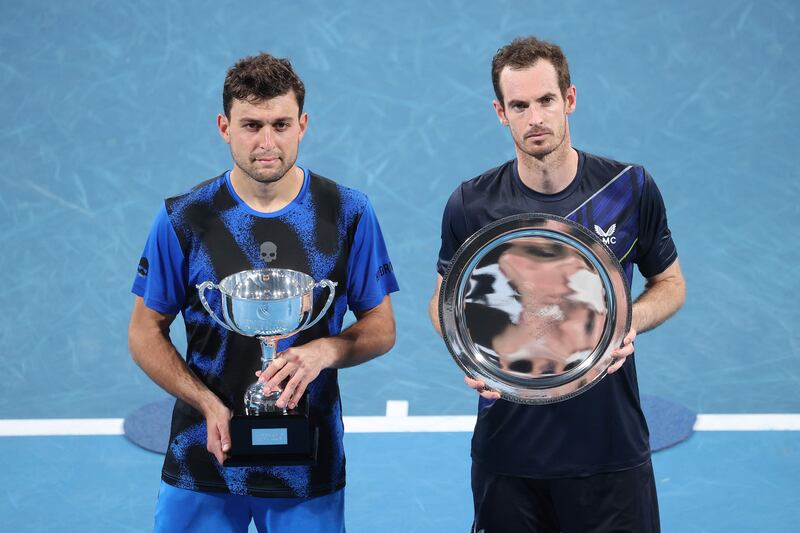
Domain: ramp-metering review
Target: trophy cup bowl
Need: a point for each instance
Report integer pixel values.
(269, 304)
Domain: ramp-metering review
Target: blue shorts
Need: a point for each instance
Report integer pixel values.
(217, 512)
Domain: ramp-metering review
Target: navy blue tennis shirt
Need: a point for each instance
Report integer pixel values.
(603, 429)
(328, 232)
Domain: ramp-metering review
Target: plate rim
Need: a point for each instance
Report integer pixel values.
(516, 222)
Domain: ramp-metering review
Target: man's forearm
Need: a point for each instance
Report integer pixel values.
(662, 297)
(433, 306)
(433, 313)
(373, 334)
(154, 352)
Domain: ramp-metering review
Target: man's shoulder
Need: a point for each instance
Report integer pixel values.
(327, 190)
(610, 168)
(490, 177)
(204, 190)
(605, 162)
(484, 183)
(479, 188)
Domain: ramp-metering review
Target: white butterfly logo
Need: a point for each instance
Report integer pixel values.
(608, 233)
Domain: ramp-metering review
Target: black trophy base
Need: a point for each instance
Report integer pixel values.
(273, 439)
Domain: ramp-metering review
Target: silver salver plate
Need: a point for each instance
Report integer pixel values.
(533, 305)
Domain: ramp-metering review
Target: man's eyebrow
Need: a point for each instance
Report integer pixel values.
(515, 102)
(246, 119)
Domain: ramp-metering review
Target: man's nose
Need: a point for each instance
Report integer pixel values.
(534, 116)
(267, 137)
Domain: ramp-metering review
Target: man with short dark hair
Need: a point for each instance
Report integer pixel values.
(581, 465)
(266, 212)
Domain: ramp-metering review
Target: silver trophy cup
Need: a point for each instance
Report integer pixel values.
(270, 304)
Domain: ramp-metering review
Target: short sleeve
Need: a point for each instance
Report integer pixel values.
(454, 230)
(370, 275)
(656, 249)
(162, 274)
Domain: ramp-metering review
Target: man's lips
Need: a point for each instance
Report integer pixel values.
(535, 134)
(266, 159)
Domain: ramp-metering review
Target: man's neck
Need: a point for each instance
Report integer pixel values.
(551, 174)
(267, 197)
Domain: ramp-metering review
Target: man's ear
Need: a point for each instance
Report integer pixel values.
(501, 112)
(222, 128)
(571, 99)
(303, 122)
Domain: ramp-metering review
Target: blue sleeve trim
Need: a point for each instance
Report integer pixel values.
(162, 275)
(370, 274)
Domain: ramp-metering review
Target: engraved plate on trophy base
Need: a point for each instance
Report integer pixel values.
(275, 439)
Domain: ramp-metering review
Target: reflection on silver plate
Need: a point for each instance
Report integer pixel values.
(533, 305)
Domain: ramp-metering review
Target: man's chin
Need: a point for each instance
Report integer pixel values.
(538, 152)
(265, 178)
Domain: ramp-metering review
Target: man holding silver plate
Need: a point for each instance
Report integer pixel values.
(533, 302)
(263, 262)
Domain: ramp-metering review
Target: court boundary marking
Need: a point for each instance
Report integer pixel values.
(396, 420)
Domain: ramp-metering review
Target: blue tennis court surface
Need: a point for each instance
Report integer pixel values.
(410, 482)
(110, 107)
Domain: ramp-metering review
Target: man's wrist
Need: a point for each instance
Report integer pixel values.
(208, 403)
(333, 350)
(637, 317)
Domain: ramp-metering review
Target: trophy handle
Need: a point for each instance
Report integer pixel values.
(201, 289)
(332, 288)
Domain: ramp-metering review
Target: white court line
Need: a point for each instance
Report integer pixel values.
(409, 424)
(396, 408)
(43, 427)
(53, 427)
(748, 422)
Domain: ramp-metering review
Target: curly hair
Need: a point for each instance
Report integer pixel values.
(261, 77)
(524, 52)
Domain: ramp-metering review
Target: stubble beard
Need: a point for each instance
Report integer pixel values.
(252, 172)
(543, 154)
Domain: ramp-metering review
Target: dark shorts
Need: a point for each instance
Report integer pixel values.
(612, 502)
